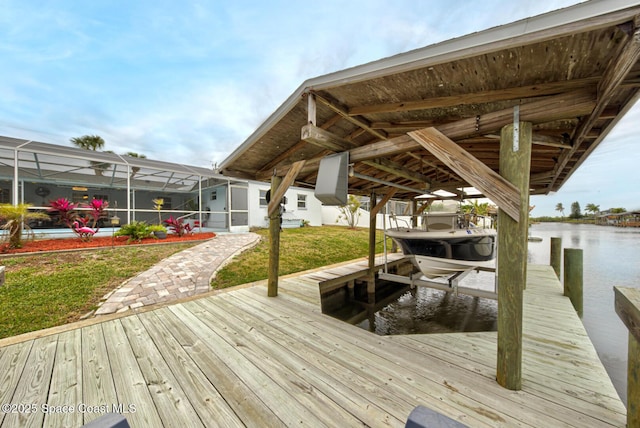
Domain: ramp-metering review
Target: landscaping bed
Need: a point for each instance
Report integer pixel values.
(58, 244)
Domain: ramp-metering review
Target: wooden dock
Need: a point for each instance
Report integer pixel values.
(239, 358)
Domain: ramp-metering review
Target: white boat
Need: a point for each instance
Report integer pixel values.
(446, 245)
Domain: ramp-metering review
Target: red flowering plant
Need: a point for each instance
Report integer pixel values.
(178, 226)
(65, 210)
(97, 209)
(68, 216)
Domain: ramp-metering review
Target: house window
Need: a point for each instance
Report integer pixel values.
(263, 198)
(302, 202)
(214, 195)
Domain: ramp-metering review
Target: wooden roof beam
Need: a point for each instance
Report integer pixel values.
(483, 178)
(542, 140)
(328, 140)
(361, 123)
(478, 97)
(572, 104)
(614, 75)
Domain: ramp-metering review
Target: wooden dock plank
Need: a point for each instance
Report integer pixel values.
(131, 387)
(173, 405)
(334, 380)
(372, 357)
(66, 383)
(33, 385)
(245, 403)
(206, 400)
(12, 363)
(262, 352)
(98, 387)
(283, 404)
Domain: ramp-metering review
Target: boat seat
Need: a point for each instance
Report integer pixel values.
(438, 226)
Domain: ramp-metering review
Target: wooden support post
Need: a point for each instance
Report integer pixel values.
(274, 247)
(633, 382)
(627, 303)
(556, 255)
(371, 278)
(351, 289)
(414, 213)
(573, 277)
(515, 163)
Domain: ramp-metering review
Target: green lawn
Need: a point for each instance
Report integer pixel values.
(300, 249)
(43, 291)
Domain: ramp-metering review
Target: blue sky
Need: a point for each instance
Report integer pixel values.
(189, 81)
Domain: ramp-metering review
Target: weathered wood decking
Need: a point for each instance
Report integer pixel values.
(241, 358)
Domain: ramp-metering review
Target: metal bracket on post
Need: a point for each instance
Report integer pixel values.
(516, 128)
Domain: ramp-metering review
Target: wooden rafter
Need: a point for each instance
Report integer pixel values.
(614, 75)
(490, 183)
(478, 97)
(573, 104)
(359, 122)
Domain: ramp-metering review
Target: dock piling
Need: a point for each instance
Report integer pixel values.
(573, 277)
(556, 255)
(627, 303)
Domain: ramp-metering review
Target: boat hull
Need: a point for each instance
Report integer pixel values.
(439, 254)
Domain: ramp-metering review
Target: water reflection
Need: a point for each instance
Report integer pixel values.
(425, 310)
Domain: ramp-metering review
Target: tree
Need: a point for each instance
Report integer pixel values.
(575, 211)
(135, 169)
(93, 143)
(350, 212)
(592, 208)
(560, 208)
(476, 209)
(16, 218)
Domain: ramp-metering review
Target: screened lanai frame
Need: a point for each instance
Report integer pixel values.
(36, 173)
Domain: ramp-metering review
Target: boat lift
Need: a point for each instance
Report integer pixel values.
(451, 286)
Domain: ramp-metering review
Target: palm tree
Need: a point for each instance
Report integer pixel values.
(15, 218)
(593, 209)
(135, 169)
(94, 143)
(560, 208)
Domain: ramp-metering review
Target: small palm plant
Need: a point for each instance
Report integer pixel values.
(157, 205)
(15, 219)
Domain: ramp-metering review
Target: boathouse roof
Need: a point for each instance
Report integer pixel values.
(573, 73)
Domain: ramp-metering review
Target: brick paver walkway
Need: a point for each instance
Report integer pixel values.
(183, 274)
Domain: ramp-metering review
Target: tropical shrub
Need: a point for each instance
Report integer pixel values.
(136, 231)
(157, 205)
(65, 209)
(97, 209)
(350, 213)
(15, 219)
(178, 226)
(68, 215)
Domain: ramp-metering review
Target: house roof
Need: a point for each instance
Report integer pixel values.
(43, 162)
(573, 73)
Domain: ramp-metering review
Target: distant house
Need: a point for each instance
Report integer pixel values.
(624, 219)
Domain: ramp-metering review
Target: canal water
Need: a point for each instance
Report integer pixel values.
(611, 257)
